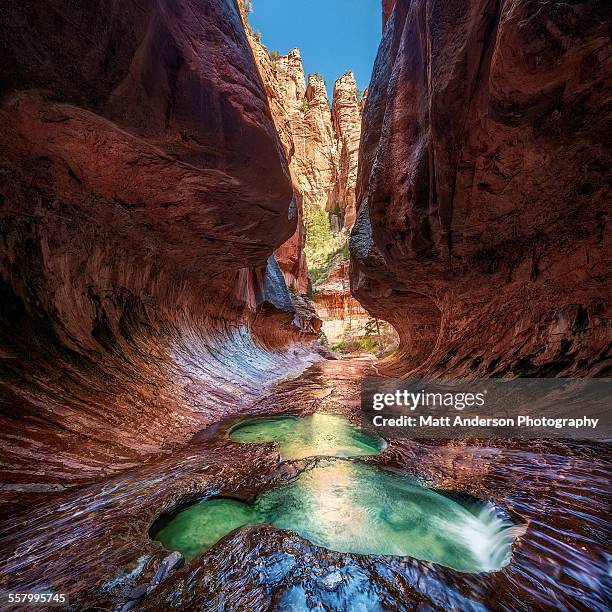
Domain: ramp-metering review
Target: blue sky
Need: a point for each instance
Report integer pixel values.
(333, 35)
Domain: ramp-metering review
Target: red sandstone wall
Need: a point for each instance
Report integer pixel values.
(143, 188)
(483, 187)
(388, 6)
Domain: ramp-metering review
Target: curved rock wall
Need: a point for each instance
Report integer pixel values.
(484, 187)
(143, 190)
(283, 79)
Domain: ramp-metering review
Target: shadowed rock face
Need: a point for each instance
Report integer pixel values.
(388, 6)
(483, 187)
(143, 189)
(282, 80)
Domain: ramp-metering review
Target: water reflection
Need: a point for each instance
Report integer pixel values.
(315, 435)
(355, 507)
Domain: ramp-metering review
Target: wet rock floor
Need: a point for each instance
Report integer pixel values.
(93, 542)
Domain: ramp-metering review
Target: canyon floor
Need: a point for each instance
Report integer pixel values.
(93, 542)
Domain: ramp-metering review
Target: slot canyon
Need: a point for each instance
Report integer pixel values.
(204, 254)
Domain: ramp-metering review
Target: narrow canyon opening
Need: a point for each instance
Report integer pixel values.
(207, 254)
(320, 137)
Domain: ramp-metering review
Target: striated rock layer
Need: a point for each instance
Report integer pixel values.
(143, 190)
(484, 187)
(338, 309)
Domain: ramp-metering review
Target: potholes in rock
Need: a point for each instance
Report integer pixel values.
(199, 526)
(351, 506)
(314, 435)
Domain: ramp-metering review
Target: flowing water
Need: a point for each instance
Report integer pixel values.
(92, 542)
(353, 507)
(315, 435)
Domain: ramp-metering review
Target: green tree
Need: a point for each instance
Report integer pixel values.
(318, 235)
(372, 330)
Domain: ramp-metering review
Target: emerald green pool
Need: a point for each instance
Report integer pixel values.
(198, 527)
(314, 435)
(351, 506)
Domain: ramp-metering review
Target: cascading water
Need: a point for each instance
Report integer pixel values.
(351, 506)
(489, 535)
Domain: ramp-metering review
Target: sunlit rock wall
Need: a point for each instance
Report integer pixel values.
(346, 117)
(338, 309)
(143, 190)
(483, 188)
(290, 255)
(321, 145)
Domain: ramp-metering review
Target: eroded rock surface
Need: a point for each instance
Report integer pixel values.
(338, 309)
(346, 117)
(558, 563)
(143, 190)
(484, 187)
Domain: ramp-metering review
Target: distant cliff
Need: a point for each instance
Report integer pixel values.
(322, 147)
(321, 143)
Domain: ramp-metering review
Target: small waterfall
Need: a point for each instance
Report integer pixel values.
(351, 506)
(489, 534)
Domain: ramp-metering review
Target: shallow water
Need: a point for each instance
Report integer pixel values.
(562, 488)
(353, 507)
(198, 527)
(314, 435)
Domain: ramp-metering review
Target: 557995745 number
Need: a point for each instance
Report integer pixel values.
(52, 599)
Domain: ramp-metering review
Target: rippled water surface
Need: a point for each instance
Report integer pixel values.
(93, 542)
(315, 435)
(353, 507)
